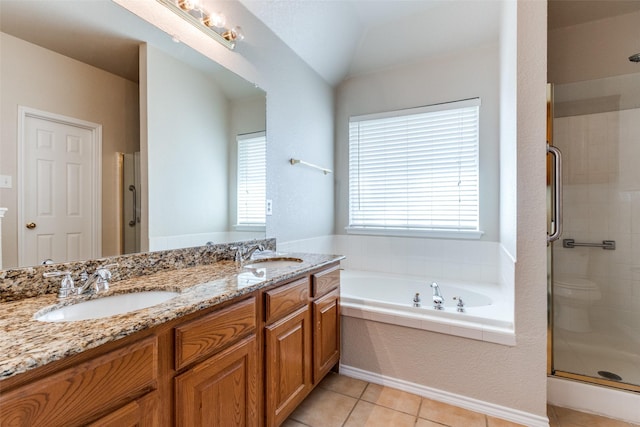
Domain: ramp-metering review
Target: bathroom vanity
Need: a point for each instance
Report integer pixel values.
(236, 347)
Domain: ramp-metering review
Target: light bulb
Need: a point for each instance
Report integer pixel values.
(217, 20)
(238, 32)
(234, 34)
(186, 5)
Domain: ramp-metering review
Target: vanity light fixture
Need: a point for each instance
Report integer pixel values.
(212, 24)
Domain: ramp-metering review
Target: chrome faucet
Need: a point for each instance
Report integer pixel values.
(244, 253)
(99, 279)
(66, 286)
(438, 299)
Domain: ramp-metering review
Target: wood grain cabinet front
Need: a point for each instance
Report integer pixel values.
(326, 334)
(326, 281)
(222, 391)
(138, 413)
(208, 334)
(288, 364)
(286, 299)
(81, 394)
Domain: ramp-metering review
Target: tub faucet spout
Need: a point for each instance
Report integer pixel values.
(438, 299)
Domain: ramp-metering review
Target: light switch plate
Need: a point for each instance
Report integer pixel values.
(269, 207)
(5, 181)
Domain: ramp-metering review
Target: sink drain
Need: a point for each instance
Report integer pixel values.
(610, 375)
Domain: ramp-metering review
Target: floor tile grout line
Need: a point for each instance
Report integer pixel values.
(356, 404)
(419, 410)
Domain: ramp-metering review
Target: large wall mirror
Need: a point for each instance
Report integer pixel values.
(116, 138)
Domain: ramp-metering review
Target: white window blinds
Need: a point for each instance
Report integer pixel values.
(252, 178)
(415, 170)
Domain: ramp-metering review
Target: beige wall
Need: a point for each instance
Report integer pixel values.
(38, 78)
(594, 50)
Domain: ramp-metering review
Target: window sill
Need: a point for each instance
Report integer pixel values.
(245, 227)
(436, 234)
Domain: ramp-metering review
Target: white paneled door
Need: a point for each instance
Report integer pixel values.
(59, 180)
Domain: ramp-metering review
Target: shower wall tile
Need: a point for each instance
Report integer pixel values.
(602, 202)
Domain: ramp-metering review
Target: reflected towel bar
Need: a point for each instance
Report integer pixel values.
(311, 165)
(606, 244)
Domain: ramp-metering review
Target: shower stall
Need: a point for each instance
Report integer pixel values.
(594, 265)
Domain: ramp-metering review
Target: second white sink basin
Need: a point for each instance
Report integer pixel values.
(278, 262)
(107, 306)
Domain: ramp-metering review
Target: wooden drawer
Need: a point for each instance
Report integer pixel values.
(326, 281)
(79, 394)
(286, 299)
(205, 336)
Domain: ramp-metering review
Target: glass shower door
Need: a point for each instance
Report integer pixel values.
(596, 263)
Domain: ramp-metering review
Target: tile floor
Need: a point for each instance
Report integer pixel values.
(341, 401)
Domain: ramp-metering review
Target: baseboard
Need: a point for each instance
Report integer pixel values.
(605, 401)
(509, 414)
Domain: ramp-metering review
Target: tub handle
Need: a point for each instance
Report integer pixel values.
(460, 304)
(416, 300)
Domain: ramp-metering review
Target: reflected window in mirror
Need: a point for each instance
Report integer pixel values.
(252, 180)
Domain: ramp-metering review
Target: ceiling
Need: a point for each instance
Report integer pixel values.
(340, 39)
(337, 38)
(344, 38)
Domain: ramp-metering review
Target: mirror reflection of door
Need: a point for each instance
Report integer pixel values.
(61, 199)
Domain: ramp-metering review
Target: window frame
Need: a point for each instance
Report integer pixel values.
(422, 231)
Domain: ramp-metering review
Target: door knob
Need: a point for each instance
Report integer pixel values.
(31, 225)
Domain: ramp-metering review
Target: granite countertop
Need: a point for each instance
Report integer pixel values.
(26, 343)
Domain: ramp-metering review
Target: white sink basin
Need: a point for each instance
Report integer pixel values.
(279, 262)
(107, 306)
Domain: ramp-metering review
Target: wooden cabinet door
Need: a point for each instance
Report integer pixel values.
(326, 337)
(288, 364)
(222, 390)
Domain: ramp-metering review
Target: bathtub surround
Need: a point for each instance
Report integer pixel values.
(387, 298)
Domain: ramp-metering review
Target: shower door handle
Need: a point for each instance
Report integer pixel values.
(556, 214)
(132, 223)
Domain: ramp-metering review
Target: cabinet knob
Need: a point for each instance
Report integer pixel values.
(31, 225)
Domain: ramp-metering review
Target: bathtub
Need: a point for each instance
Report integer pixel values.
(388, 298)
